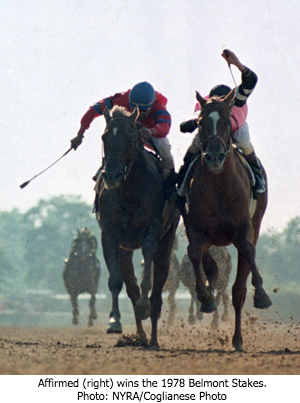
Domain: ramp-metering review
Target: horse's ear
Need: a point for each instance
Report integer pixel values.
(107, 115)
(135, 114)
(229, 99)
(201, 100)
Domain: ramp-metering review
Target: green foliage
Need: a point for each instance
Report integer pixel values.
(33, 245)
(278, 255)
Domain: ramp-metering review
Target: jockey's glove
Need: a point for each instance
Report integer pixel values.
(188, 126)
(145, 133)
(76, 141)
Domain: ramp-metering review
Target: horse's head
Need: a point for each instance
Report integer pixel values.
(85, 243)
(214, 126)
(120, 144)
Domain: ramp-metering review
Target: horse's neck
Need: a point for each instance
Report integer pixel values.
(228, 180)
(135, 177)
(228, 175)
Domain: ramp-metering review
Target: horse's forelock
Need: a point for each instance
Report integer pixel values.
(119, 111)
(215, 99)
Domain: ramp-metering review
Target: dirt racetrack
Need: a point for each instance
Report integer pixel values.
(271, 347)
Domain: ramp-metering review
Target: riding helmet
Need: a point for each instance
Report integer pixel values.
(219, 90)
(142, 95)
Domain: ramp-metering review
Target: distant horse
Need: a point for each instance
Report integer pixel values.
(219, 211)
(184, 272)
(131, 206)
(82, 271)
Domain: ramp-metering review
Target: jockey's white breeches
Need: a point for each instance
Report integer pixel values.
(164, 148)
(242, 139)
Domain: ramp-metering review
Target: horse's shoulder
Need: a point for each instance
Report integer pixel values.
(153, 165)
(243, 168)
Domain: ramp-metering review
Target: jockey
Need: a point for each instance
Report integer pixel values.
(153, 117)
(240, 129)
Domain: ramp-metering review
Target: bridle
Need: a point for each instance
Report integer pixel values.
(138, 149)
(227, 147)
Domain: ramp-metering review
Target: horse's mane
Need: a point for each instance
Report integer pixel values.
(119, 111)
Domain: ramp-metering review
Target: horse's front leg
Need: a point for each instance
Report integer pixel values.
(161, 271)
(195, 252)
(225, 300)
(143, 305)
(75, 311)
(172, 305)
(110, 248)
(93, 313)
(247, 249)
(239, 291)
(132, 288)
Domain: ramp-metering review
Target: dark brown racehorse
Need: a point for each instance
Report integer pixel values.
(82, 272)
(131, 217)
(219, 211)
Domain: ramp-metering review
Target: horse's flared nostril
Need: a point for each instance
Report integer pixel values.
(221, 157)
(112, 179)
(119, 176)
(207, 157)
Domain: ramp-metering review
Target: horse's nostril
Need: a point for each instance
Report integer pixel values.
(221, 157)
(207, 157)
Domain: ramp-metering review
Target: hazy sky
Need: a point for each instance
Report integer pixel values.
(58, 57)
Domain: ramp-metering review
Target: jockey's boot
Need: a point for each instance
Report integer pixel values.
(169, 184)
(260, 183)
(184, 168)
(98, 172)
(95, 177)
(181, 199)
(96, 203)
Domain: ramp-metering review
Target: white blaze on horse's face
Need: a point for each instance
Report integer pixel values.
(115, 131)
(215, 118)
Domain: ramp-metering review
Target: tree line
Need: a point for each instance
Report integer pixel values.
(34, 245)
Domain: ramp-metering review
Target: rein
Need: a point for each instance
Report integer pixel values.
(128, 167)
(227, 147)
(215, 136)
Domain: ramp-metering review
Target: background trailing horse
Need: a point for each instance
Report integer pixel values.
(222, 211)
(82, 271)
(183, 272)
(131, 207)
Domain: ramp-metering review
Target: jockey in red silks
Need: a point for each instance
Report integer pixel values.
(240, 129)
(153, 117)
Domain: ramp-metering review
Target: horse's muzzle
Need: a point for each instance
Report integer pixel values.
(112, 179)
(215, 161)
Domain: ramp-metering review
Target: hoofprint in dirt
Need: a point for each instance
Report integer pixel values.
(272, 347)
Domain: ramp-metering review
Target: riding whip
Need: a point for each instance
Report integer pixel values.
(232, 74)
(27, 182)
(229, 65)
